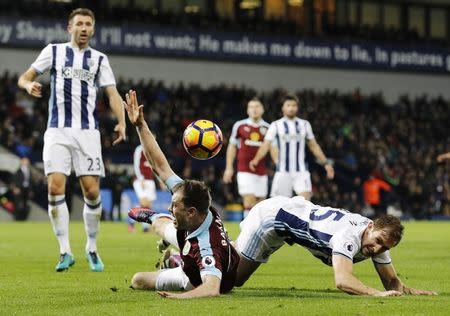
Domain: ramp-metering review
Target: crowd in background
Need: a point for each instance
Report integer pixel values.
(210, 21)
(366, 138)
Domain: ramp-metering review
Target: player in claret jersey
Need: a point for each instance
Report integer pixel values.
(245, 139)
(209, 262)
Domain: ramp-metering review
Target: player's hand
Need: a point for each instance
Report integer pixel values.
(134, 110)
(330, 171)
(388, 293)
(252, 164)
(168, 294)
(34, 89)
(412, 291)
(121, 130)
(442, 157)
(228, 175)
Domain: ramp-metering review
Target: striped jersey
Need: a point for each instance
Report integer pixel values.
(142, 168)
(248, 137)
(290, 135)
(323, 230)
(75, 75)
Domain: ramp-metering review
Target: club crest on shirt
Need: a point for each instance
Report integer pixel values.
(208, 261)
(263, 130)
(186, 248)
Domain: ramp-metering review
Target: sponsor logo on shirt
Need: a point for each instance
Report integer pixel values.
(81, 74)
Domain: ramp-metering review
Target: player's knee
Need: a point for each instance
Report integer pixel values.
(145, 203)
(55, 188)
(91, 193)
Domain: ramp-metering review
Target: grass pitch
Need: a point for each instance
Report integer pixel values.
(292, 283)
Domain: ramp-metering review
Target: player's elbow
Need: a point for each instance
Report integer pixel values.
(341, 283)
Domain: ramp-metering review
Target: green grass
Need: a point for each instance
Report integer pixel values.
(292, 283)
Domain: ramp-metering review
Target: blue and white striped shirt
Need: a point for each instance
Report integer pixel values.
(75, 75)
(290, 135)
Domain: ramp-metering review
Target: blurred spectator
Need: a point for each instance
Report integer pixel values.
(21, 189)
(374, 190)
(359, 132)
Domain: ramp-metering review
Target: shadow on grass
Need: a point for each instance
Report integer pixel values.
(287, 292)
(294, 292)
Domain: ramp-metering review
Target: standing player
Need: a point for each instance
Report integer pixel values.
(144, 184)
(335, 236)
(209, 262)
(291, 133)
(246, 137)
(72, 137)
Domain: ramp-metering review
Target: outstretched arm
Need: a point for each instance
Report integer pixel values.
(209, 288)
(390, 281)
(152, 151)
(347, 282)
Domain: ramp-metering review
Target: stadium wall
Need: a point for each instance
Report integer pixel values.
(258, 76)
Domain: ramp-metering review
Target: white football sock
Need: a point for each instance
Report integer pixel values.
(92, 212)
(59, 217)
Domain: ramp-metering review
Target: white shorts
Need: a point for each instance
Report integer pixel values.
(258, 239)
(173, 280)
(145, 189)
(250, 183)
(284, 182)
(67, 147)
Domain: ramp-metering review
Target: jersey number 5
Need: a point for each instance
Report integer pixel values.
(314, 217)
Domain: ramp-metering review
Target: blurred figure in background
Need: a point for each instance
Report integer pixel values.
(144, 184)
(21, 190)
(245, 139)
(373, 189)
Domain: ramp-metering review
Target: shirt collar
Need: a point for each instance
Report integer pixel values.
(204, 226)
(253, 123)
(76, 48)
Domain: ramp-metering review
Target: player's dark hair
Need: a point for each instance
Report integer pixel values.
(391, 225)
(195, 194)
(290, 97)
(81, 11)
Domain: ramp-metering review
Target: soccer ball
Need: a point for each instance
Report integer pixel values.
(202, 139)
